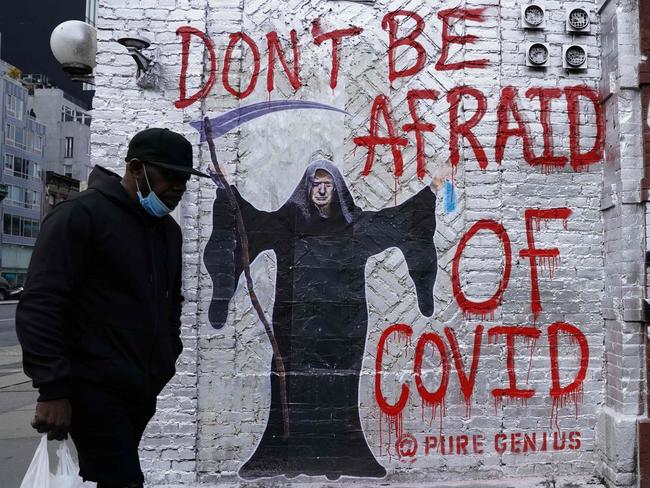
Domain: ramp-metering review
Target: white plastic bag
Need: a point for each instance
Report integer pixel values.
(67, 472)
(38, 473)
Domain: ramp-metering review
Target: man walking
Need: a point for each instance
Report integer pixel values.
(99, 320)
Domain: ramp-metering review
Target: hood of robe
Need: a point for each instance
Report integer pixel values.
(342, 201)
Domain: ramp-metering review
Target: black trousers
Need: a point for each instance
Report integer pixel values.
(106, 429)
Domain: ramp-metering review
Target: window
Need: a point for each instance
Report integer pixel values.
(16, 166)
(67, 114)
(11, 225)
(11, 105)
(13, 137)
(20, 108)
(20, 167)
(21, 226)
(15, 196)
(32, 199)
(10, 135)
(31, 228)
(15, 107)
(21, 197)
(67, 171)
(9, 164)
(38, 144)
(69, 147)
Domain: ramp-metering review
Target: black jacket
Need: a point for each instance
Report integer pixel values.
(102, 299)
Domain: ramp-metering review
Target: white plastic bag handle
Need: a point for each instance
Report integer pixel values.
(67, 472)
(38, 473)
(67, 465)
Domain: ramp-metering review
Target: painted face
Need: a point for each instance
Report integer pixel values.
(322, 190)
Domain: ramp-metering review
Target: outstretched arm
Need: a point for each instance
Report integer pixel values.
(410, 227)
(223, 253)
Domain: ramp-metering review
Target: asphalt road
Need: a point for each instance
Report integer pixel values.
(8, 324)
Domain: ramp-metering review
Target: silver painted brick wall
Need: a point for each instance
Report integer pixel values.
(212, 413)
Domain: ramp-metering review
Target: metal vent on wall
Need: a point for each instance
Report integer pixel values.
(533, 16)
(537, 55)
(574, 56)
(578, 19)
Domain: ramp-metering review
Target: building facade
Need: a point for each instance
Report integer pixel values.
(68, 129)
(22, 149)
(514, 349)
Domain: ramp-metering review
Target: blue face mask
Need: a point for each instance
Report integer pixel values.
(151, 203)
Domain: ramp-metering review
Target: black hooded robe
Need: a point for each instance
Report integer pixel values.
(320, 317)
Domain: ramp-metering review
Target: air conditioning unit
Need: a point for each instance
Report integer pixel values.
(574, 56)
(537, 55)
(533, 16)
(578, 19)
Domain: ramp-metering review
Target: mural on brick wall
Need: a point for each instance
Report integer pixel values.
(322, 241)
(410, 240)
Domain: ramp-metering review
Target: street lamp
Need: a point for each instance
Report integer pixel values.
(74, 45)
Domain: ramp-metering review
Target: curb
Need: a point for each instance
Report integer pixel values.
(14, 380)
(8, 302)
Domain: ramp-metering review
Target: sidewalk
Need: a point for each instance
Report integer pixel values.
(18, 440)
(503, 483)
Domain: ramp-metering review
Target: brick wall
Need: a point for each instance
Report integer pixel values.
(623, 216)
(211, 416)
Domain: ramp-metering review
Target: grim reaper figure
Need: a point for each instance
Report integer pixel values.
(322, 241)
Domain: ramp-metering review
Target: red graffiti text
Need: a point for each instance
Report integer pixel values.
(548, 258)
(432, 345)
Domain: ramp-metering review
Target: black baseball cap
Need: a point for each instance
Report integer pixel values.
(164, 148)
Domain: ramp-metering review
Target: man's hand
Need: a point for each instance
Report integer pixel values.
(439, 178)
(53, 417)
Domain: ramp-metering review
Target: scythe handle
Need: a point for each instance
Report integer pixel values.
(219, 177)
